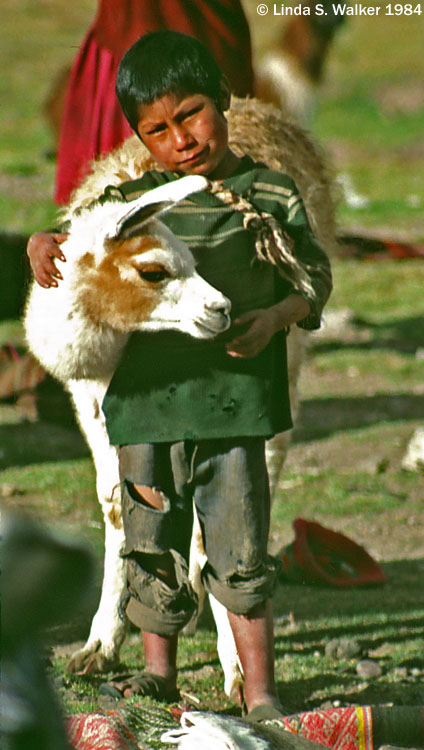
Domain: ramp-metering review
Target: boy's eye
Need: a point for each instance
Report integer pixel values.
(192, 111)
(156, 129)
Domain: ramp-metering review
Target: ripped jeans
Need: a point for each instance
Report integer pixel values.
(228, 482)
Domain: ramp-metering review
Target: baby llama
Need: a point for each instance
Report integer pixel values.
(125, 271)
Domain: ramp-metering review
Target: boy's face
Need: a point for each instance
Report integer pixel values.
(186, 134)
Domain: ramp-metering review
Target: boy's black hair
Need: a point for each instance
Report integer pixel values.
(164, 62)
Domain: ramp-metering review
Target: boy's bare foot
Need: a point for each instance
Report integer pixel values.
(267, 712)
(158, 681)
(143, 684)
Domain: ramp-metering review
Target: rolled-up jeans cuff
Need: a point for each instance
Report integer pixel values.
(154, 606)
(242, 591)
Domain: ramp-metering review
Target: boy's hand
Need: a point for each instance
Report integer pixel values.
(41, 248)
(264, 323)
(261, 330)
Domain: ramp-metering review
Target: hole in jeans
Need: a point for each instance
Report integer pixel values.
(151, 497)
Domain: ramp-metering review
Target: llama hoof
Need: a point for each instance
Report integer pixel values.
(91, 663)
(237, 693)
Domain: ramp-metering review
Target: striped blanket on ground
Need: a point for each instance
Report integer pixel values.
(139, 726)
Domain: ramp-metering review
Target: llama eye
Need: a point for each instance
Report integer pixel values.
(153, 276)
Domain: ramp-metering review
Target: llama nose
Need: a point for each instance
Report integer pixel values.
(222, 306)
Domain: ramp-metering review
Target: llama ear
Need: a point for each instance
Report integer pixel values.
(133, 220)
(156, 202)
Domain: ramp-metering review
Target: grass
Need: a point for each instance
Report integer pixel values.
(371, 140)
(35, 44)
(72, 481)
(390, 290)
(343, 495)
(362, 392)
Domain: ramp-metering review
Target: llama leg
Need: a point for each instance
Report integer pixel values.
(276, 453)
(226, 646)
(227, 651)
(277, 448)
(101, 652)
(107, 632)
(197, 560)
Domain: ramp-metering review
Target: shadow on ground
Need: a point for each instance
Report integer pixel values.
(403, 335)
(399, 597)
(324, 416)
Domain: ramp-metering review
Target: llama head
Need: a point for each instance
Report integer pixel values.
(140, 276)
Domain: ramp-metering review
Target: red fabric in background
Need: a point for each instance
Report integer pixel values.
(220, 24)
(92, 123)
(320, 555)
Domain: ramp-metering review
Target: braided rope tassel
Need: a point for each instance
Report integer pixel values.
(272, 243)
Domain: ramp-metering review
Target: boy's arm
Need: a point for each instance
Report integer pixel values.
(264, 323)
(42, 247)
(311, 254)
(277, 194)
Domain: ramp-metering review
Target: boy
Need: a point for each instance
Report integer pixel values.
(191, 418)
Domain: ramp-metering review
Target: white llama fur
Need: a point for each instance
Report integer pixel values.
(259, 130)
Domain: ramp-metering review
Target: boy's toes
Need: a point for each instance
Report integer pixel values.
(266, 712)
(144, 684)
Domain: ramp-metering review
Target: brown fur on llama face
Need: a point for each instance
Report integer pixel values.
(115, 289)
(149, 282)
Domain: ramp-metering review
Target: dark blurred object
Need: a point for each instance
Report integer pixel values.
(15, 274)
(44, 576)
(367, 247)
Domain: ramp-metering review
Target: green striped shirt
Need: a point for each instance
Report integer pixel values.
(169, 386)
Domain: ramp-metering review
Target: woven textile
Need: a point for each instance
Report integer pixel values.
(339, 728)
(98, 731)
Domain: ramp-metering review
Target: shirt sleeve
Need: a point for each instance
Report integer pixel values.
(278, 195)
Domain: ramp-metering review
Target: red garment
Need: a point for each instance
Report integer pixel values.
(92, 122)
(220, 24)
